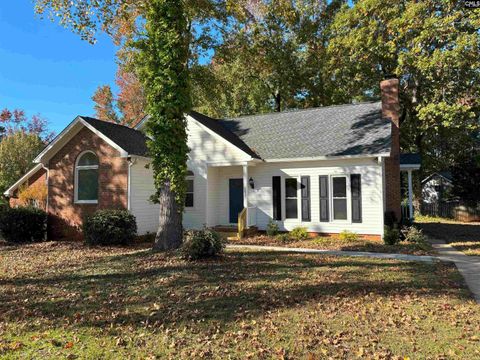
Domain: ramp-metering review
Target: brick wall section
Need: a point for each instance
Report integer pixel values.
(39, 177)
(66, 216)
(391, 110)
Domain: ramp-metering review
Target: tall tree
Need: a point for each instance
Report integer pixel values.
(13, 121)
(162, 60)
(272, 57)
(128, 106)
(433, 48)
(104, 104)
(131, 97)
(21, 139)
(161, 35)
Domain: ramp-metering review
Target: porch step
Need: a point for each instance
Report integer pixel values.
(227, 232)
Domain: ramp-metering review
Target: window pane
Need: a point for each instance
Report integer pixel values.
(189, 200)
(340, 209)
(291, 188)
(339, 187)
(88, 184)
(88, 159)
(291, 209)
(190, 186)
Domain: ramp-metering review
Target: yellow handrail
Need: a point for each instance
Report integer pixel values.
(242, 223)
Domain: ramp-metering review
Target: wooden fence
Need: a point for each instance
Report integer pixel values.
(451, 210)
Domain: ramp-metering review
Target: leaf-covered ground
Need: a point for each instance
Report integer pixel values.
(334, 243)
(464, 237)
(64, 300)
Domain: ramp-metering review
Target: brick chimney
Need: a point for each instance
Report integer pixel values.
(391, 110)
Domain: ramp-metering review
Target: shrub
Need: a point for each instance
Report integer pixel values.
(23, 224)
(299, 233)
(200, 244)
(391, 235)
(346, 235)
(110, 227)
(272, 228)
(283, 238)
(413, 235)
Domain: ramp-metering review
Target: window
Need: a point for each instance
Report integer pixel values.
(190, 185)
(86, 178)
(339, 196)
(291, 204)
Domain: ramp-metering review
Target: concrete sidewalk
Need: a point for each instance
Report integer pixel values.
(469, 266)
(404, 257)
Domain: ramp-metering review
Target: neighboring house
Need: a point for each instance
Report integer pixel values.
(328, 169)
(437, 187)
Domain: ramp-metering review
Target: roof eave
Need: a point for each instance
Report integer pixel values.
(11, 189)
(333, 157)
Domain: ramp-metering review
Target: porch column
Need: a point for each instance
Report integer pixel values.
(245, 186)
(410, 194)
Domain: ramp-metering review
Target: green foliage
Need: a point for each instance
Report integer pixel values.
(432, 47)
(272, 228)
(161, 61)
(414, 235)
(283, 238)
(346, 235)
(200, 244)
(110, 227)
(23, 224)
(391, 235)
(299, 233)
(272, 57)
(17, 152)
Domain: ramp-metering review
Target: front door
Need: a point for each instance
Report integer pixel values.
(236, 199)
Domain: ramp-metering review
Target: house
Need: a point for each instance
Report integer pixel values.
(437, 187)
(329, 169)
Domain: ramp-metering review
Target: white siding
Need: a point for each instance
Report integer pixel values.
(141, 188)
(261, 196)
(211, 188)
(205, 148)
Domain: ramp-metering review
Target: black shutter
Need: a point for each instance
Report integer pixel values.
(324, 203)
(305, 180)
(277, 197)
(356, 185)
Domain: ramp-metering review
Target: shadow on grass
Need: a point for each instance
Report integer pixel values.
(145, 288)
(452, 232)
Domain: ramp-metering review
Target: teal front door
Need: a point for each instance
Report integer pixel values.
(236, 199)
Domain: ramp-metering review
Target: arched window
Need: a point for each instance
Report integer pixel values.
(190, 186)
(86, 178)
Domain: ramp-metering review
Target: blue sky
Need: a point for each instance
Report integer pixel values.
(46, 69)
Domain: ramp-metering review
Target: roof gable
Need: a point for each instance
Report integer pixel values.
(126, 140)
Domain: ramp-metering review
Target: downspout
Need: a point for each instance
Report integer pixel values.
(48, 195)
(131, 162)
(383, 200)
(48, 188)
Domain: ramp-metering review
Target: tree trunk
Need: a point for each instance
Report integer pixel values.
(170, 230)
(278, 102)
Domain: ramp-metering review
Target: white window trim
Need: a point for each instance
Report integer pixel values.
(348, 199)
(191, 177)
(84, 167)
(284, 192)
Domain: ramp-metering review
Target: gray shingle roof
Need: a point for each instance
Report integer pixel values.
(355, 129)
(130, 140)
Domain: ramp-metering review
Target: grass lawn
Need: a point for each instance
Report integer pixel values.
(463, 236)
(332, 243)
(64, 300)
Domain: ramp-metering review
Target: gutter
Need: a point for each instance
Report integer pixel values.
(131, 162)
